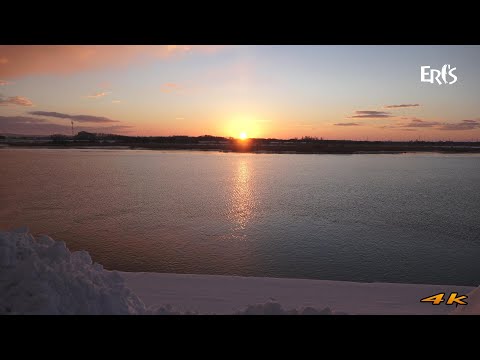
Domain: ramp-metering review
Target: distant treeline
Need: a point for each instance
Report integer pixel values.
(304, 145)
(84, 136)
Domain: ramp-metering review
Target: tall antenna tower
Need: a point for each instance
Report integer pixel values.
(72, 128)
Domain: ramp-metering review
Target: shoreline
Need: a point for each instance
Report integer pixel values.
(141, 148)
(221, 294)
(42, 276)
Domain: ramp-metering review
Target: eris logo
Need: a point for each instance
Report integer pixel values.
(430, 75)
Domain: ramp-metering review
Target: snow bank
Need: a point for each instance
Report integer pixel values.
(268, 308)
(223, 294)
(275, 308)
(41, 276)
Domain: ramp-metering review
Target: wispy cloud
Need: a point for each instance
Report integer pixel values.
(401, 106)
(411, 118)
(98, 95)
(79, 118)
(347, 124)
(463, 125)
(116, 101)
(171, 87)
(5, 82)
(375, 114)
(23, 60)
(418, 123)
(35, 126)
(15, 100)
(371, 114)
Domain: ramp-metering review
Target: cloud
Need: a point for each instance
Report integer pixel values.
(23, 60)
(35, 126)
(347, 124)
(5, 82)
(411, 118)
(463, 125)
(98, 95)
(170, 88)
(413, 123)
(374, 114)
(370, 114)
(401, 106)
(116, 101)
(418, 123)
(15, 100)
(79, 118)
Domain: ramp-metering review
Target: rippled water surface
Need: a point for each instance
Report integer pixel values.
(394, 218)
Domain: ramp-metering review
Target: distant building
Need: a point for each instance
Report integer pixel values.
(85, 136)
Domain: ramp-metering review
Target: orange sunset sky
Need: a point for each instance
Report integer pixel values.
(334, 92)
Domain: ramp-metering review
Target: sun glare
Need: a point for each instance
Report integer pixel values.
(242, 126)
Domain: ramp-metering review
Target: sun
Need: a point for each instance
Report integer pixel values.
(243, 135)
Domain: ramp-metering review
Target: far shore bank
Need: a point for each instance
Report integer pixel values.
(297, 149)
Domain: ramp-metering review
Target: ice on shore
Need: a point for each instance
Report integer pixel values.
(275, 308)
(268, 308)
(41, 276)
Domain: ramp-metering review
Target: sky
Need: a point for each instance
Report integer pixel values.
(333, 92)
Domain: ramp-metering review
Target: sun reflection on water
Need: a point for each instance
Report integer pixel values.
(242, 202)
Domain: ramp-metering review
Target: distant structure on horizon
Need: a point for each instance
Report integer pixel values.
(85, 136)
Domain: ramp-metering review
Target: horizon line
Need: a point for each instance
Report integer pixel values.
(304, 138)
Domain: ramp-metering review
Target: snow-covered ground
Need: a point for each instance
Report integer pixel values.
(41, 276)
(229, 294)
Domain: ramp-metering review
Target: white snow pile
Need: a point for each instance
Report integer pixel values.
(275, 308)
(268, 308)
(41, 276)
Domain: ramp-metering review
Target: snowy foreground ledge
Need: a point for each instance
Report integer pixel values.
(41, 276)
